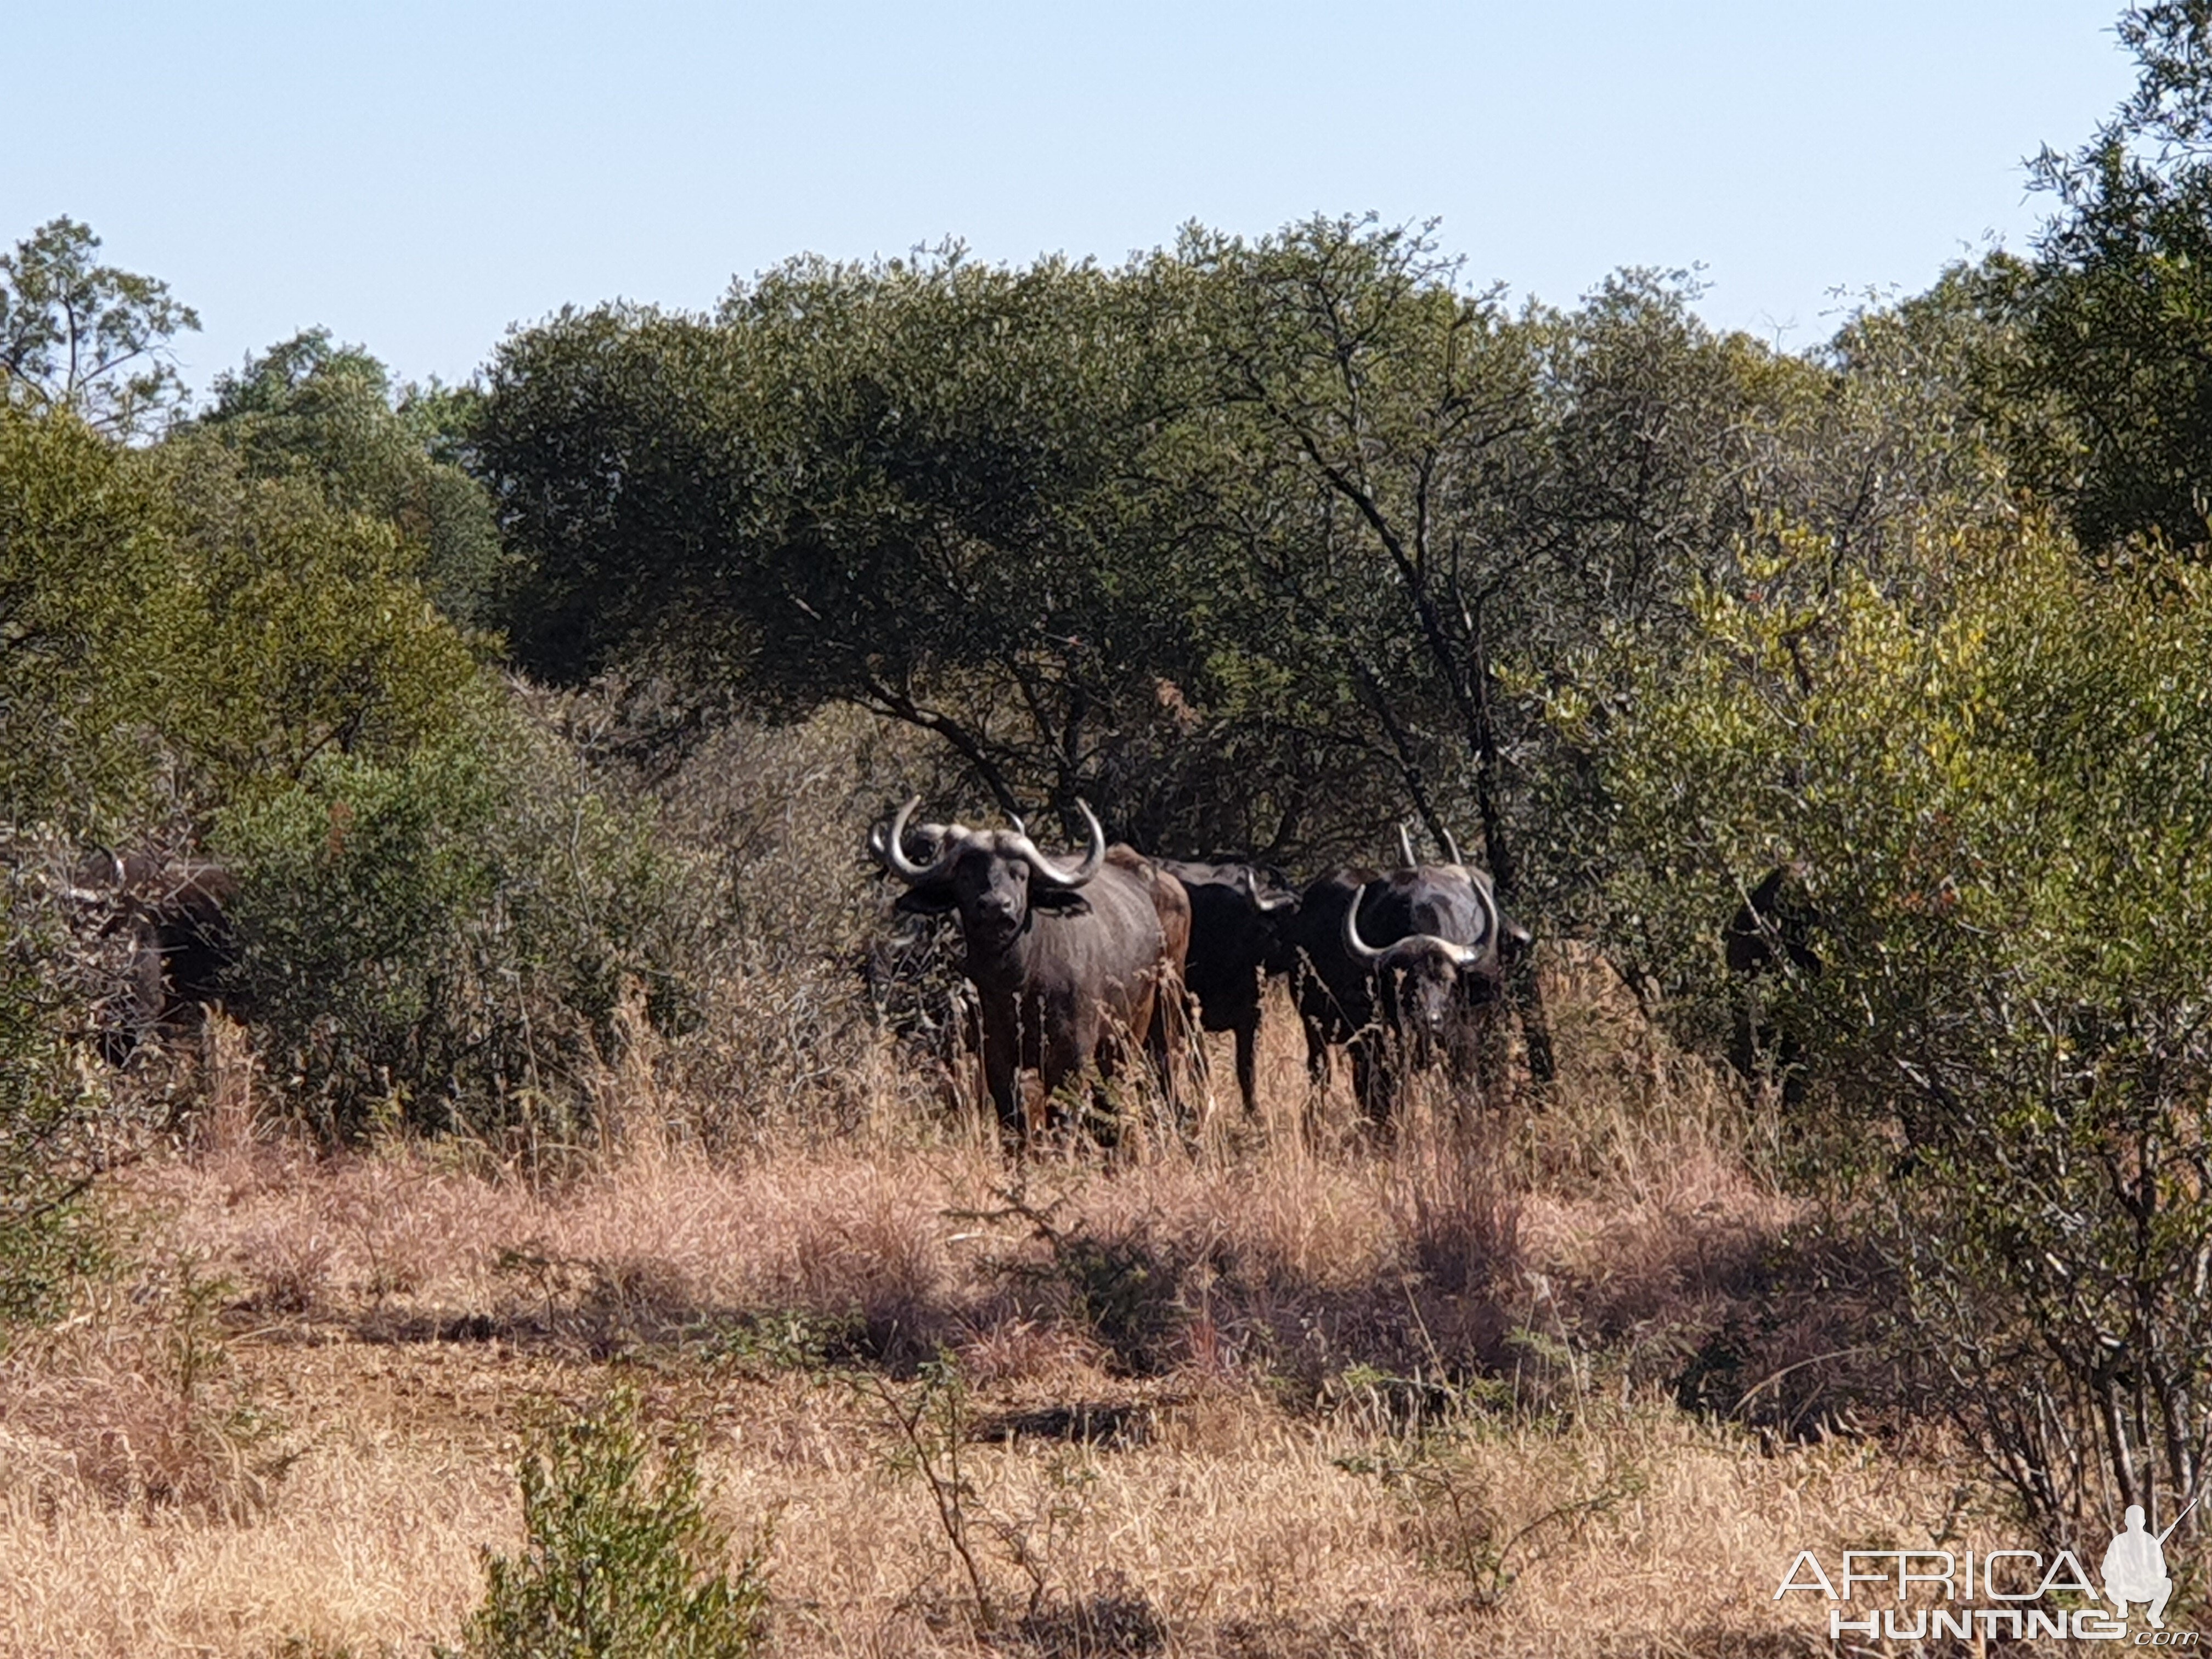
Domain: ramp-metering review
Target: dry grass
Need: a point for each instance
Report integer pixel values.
(1260, 1393)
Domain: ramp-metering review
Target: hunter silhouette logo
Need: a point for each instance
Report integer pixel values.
(2135, 1566)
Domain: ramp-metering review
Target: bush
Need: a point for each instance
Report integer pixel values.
(1998, 784)
(441, 939)
(48, 1150)
(620, 1560)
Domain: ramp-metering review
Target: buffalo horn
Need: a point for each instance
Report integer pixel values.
(1451, 846)
(1262, 902)
(1360, 949)
(1405, 847)
(1051, 873)
(894, 854)
(1462, 956)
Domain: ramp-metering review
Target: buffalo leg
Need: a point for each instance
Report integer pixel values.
(1247, 1032)
(1002, 1054)
(1070, 1046)
(1372, 1078)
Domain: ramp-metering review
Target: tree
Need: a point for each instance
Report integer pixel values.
(1358, 376)
(1998, 788)
(1482, 496)
(311, 410)
(90, 622)
(92, 339)
(905, 486)
(1257, 545)
(304, 629)
(2109, 398)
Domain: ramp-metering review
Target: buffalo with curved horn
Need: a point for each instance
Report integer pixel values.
(1067, 963)
(1391, 965)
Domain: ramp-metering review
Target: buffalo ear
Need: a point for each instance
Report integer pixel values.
(1065, 900)
(926, 902)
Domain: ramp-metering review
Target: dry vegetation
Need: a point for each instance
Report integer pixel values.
(1268, 1393)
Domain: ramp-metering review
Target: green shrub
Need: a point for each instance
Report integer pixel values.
(47, 1149)
(88, 611)
(1998, 785)
(620, 1559)
(441, 939)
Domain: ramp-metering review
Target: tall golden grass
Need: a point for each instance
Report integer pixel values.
(1279, 1387)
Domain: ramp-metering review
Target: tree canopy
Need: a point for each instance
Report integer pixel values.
(2109, 393)
(89, 338)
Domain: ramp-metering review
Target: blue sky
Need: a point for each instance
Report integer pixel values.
(419, 177)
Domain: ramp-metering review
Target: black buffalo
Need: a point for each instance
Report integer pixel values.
(1391, 964)
(1237, 917)
(163, 932)
(1770, 938)
(1067, 964)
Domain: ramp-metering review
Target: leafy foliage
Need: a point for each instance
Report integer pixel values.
(90, 339)
(173, 633)
(48, 1151)
(893, 485)
(229, 637)
(440, 936)
(308, 631)
(327, 414)
(1997, 787)
(89, 607)
(1256, 544)
(2109, 396)
(620, 1560)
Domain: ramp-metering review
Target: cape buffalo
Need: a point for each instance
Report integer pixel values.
(1390, 963)
(1066, 964)
(165, 932)
(1237, 916)
(1769, 935)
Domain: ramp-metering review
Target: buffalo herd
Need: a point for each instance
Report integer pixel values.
(1070, 963)
(1077, 959)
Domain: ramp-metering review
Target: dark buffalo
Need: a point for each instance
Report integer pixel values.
(1769, 938)
(166, 937)
(1391, 964)
(1238, 913)
(1067, 964)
